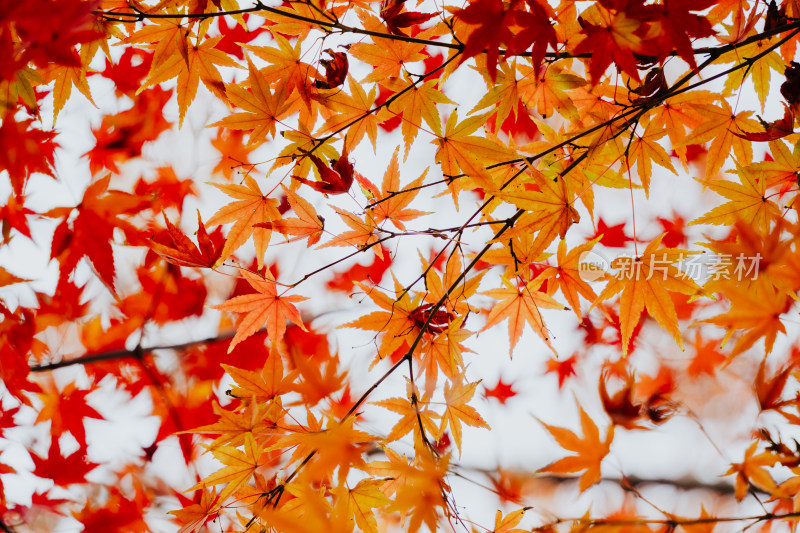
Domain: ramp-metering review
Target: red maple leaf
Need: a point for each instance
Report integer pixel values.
(26, 150)
(772, 130)
(336, 179)
(233, 36)
(121, 137)
(675, 229)
(501, 392)
(335, 70)
(564, 369)
(91, 232)
(345, 280)
(391, 13)
(14, 215)
(184, 252)
(118, 515)
(611, 236)
(63, 470)
(128, 72)
(66, 409)
(496, 23)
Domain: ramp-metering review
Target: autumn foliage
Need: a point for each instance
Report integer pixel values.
(329, 265)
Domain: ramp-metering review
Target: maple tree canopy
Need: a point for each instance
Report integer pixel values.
(264, 265)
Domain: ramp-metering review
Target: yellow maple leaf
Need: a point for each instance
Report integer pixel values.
(239, 469)
(360, 501)
(748, 202)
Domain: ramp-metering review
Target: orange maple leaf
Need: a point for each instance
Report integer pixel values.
(308, 224)
(645, 282)
(521, 305)
(265, 306)
(456, 395)
(251, 208)
(590, 450)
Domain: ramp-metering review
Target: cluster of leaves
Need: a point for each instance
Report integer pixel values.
(583, 110)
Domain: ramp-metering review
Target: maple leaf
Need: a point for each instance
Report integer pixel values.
(344, 281)
(195, 516)
(416, 103)
(708, 358)
(263, 109)
(502, 391)
(240, 465)
(66, 409)
(90, 233)
(621, 407)
(336, 179)
(570, 276)
(590, 450)
(756, 314)
(643, 150)
(361, 235)
(508, 523)
(751, 471)
(387, 56)
(747, 201)
(235, 34)
(65, 77)
(493, 24)
(419, 488)
(772, 130)
(121, 136)
(770, 389)
(456, 396)
(353, 111)
(718, 127)
(390, 203)
(459, 151)
(339, 446)
(62, 470)
(612, 236)
(395, 322)
(644, 282)
(335, 70)
(564, 368)
(185, 252)
(308, 224)
(614, 38)
(26, 151)
(264, 385)
(549, 209)
(190, 62)
(359, 501)
(394, 17)
(263, 306)
(520, 305)
(412, 410)
(286, 68)
(118, 514)
(251, 208)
